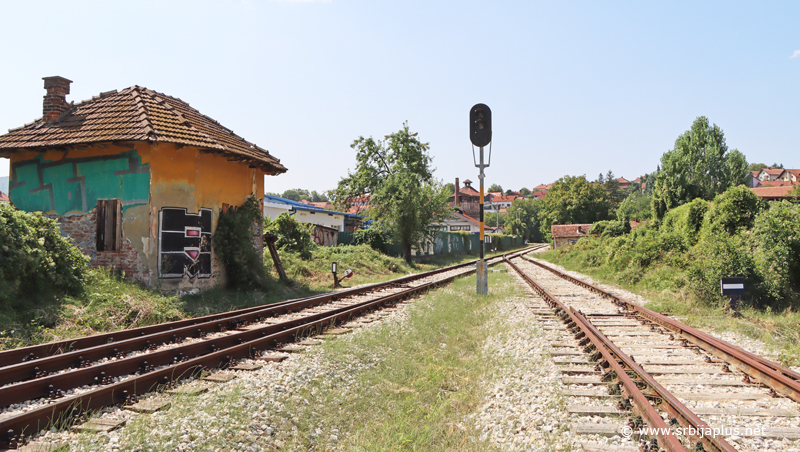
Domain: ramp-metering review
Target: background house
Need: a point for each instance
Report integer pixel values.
(328, 222)
(467, 199)
(137, 179)
(568, 234)
(461, 222)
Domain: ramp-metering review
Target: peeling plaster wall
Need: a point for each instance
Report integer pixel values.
(186, 178)
(66, 185)
(147, 177)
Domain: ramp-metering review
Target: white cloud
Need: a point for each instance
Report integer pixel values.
(796, 54)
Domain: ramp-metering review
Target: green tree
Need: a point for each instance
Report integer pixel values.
(699, 166)
(636, 207)
(523, 219)
(615, 194)
(397, 175)
(573, 199)
(524, 192)
(318, 197)
(295, 194)
(495, 188)
(494, 220)
(756, 166)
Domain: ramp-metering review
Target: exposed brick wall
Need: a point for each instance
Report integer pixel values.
(82, 230)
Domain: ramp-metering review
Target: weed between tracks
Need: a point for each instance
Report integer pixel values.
(406, 384)
(780, 331)
(417, 382)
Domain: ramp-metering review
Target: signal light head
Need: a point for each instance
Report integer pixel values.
(480, 125)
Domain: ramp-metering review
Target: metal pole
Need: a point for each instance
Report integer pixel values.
(481, 273)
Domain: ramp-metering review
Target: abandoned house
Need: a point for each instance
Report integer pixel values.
(137, 179)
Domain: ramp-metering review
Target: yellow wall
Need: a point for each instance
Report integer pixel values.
(187, 178)
(179, 177)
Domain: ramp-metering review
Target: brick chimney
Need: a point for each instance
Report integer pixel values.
(455, 197)
(55, 101)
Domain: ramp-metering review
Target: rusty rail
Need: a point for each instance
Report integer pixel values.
(665, 437)
(181, 362)
(57, 347)
(782, 380)
(669, 402)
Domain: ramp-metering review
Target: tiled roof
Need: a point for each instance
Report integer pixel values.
(570, 230)
(775, 172)
(137, 114)
(773, 192)
(796, 172)
(4, 197)
(468, 191)
(755, 172)
(538, 194)
(622, 180)
(774, 183)
(508, 198)
(320, 204)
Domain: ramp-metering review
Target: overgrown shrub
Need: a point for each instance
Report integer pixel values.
(716, 256)
(35, 259)
(776, 250)
(686, 219)
(292, 235)
(610, 228)
(233, 243)
(733, 210)
(373, 237)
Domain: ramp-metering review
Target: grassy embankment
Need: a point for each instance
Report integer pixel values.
(407, 385)
(111, 304)
(664, 285)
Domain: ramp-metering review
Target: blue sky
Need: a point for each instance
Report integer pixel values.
(575, 87)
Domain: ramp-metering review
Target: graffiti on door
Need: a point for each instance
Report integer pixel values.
(184, 243)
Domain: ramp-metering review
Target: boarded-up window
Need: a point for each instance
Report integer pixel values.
(109, 224)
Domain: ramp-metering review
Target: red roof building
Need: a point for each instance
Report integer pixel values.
(137, 179)
(774, 193)
(568, 234)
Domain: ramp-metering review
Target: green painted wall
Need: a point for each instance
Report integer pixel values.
(74, 185)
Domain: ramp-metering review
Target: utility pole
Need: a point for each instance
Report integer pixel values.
(480, 134)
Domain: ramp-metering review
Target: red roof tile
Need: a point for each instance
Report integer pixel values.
(508, 198)
(773, 192)
(775, 172)
(4, 197)
(137, 114)
(570, 230)
(774, 183)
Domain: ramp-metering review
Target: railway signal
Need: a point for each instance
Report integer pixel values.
(480, 134)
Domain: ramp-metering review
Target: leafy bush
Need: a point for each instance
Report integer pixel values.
(35, 259)
(292, 235)
(732, 210)
(610, 228)
(687, 219)
(373, 237)
(776, 249)
(233, 243)
(716, 256)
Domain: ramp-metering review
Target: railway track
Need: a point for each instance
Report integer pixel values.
(57, 383)
(686, 390)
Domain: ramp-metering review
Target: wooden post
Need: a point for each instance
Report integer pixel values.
(269, 240)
